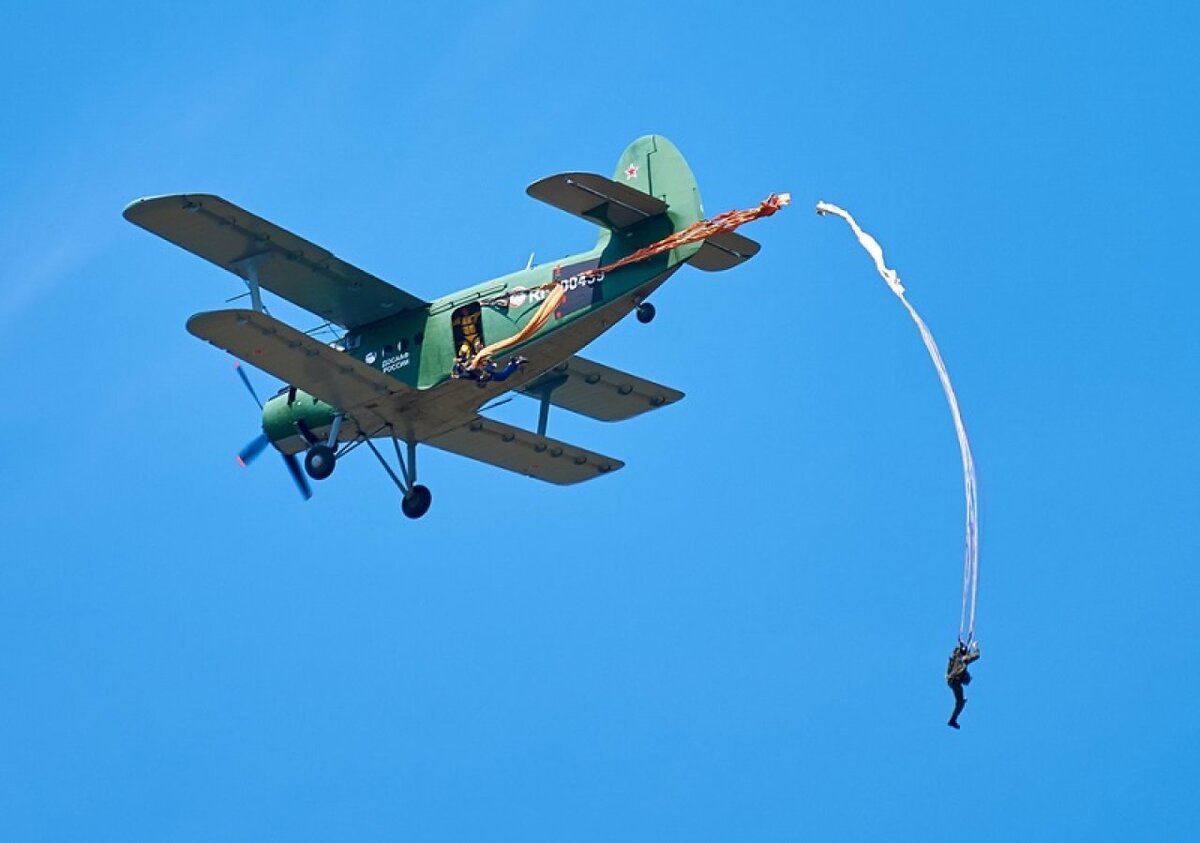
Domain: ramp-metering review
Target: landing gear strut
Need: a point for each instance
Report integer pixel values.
(321, 459)
(417, 498)
(645, 313)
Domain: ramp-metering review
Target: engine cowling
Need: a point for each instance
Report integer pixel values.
(293, 419)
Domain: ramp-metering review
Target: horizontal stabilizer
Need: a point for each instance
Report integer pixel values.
(599, 392)
(524, 452)
(287, 265)
(724, 251)
(295, 358)
(597, 199)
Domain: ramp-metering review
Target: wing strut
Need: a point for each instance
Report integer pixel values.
(544, 389)
(249, 266)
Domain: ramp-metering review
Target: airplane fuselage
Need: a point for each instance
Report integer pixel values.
(418, 347)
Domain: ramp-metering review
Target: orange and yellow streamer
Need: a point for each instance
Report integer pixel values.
(702, 230)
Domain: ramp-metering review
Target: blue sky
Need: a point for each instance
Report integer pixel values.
(741, 635)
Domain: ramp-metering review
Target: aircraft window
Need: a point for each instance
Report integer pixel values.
(404, 344)
(419, 338)
(388, 349)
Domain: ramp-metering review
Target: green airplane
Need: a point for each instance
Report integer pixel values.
(397, 369)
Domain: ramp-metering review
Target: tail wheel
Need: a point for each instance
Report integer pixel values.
(645, 313)
(416, 502)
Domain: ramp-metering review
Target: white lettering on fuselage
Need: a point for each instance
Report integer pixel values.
(575, 282)
(518, 296)
(391, 364)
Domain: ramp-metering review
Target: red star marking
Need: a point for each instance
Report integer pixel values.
(631, 172)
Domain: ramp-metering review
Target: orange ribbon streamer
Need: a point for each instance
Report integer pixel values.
(702, 230)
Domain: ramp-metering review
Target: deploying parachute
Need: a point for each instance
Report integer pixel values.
(966, 622)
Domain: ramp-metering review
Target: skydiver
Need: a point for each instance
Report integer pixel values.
(957, 675)
(502, 374)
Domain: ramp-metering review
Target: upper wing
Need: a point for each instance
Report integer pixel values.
(287, 265)
(525, 452)
(296, 358)
(597, 199)
(590, 389)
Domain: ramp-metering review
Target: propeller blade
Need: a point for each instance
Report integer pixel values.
(252, 450)
(238, 366)
(260, 442)
(297, 473)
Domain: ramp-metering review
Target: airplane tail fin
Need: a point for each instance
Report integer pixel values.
(653, 191)
(652, 165)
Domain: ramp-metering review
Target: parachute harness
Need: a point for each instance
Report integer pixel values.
(555, 292)
(966, 621)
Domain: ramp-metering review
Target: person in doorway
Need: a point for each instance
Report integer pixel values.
(462, 363)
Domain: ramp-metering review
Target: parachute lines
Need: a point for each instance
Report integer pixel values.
(966, 621)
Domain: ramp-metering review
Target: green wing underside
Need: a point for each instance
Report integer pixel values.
(295, 358)
(598, 391)
(289, 266)
(525, 452)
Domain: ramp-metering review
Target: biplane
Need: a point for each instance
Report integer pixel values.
(393, 369)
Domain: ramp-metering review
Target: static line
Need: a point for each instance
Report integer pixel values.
(698, 231)
(966, 621)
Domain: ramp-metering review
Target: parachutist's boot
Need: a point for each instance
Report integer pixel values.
(953, 724)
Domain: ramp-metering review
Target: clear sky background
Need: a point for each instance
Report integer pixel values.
(742, 634)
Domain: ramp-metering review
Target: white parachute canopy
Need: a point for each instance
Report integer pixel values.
(966, 622)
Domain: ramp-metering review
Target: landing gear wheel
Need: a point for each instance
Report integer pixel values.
(319, 461)
(416, 502)
(645, 313)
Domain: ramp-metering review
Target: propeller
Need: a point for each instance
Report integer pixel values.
(297, 473)
(259, 443)
(237, 366)
(256, 446)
